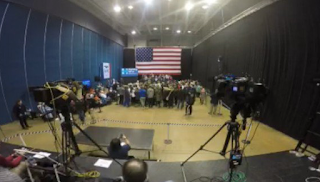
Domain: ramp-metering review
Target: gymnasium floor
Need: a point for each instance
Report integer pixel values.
(186, 137)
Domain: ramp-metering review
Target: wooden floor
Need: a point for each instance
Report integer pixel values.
(186, 138)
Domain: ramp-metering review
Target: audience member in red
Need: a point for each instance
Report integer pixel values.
(12, 169)
(10, 161)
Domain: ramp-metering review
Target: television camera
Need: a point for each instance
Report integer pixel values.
(242, 93)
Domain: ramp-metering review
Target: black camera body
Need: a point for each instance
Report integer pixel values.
(243, 93)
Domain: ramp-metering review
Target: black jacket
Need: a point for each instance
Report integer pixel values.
(19, 110)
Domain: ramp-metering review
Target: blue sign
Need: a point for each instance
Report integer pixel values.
(129, 72)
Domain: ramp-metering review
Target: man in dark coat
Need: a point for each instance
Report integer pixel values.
(190, 99)
(19, 110)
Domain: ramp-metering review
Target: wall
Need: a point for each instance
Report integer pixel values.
(186, 58)
(69, 11)
(36, 47)
(279, 44)
(183, 40)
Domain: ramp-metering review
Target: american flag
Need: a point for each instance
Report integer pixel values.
(158, 61)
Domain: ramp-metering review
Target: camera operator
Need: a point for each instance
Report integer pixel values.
(118, 149)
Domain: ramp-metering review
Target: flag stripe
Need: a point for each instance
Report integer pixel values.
(166, 50)
(166, 58)
(159, 63)
(158, 67)
(167, 54)
(159, 71)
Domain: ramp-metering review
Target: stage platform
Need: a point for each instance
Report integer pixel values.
(140, 139)
(276, 167)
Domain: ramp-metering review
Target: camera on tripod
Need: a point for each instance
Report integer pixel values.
(243, 94)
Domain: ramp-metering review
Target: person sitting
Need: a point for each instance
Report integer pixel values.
(11, 168)
(135, 170)
(119, 150)
(45, 111)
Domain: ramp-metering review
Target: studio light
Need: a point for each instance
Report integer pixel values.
(148, 1)
(155, 28)
(133, 32)
(117, 8)
(178, 31)
(130, 7)
(188, 6)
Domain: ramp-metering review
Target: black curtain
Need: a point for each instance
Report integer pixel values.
(186, 59)
(280, 45)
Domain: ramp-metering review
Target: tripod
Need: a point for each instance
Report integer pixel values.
(233, 135)
(69, 141)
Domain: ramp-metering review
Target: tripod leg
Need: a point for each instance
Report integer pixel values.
(94, 142)
(201, 147)
(226, 143)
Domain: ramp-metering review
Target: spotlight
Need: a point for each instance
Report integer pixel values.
(148, 1)
(133, 32)
(130, 7)
(178, 31)
(189, 31)
(205, 7)
(117, 8)
(188, 6)
(155, 28)
(211, 1)
(167, 28)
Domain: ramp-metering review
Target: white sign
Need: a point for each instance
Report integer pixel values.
(41, 155)
(103, 163)
(106, 68)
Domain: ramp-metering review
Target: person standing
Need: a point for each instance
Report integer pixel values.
(19, 110)
(158, 95)
(142, 95)
(90, 105)
(190, 99)
(150, 96)
(180, 98)
(203, 96)
(213, 104)
(121, 95)
(198, 89)
(127, 97)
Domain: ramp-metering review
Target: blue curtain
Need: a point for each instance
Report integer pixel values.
(36, 47)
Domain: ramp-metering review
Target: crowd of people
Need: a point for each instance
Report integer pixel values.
(148, 92)
(161, 91)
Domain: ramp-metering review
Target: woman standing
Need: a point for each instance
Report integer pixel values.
(203, 96)
(19, 110)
